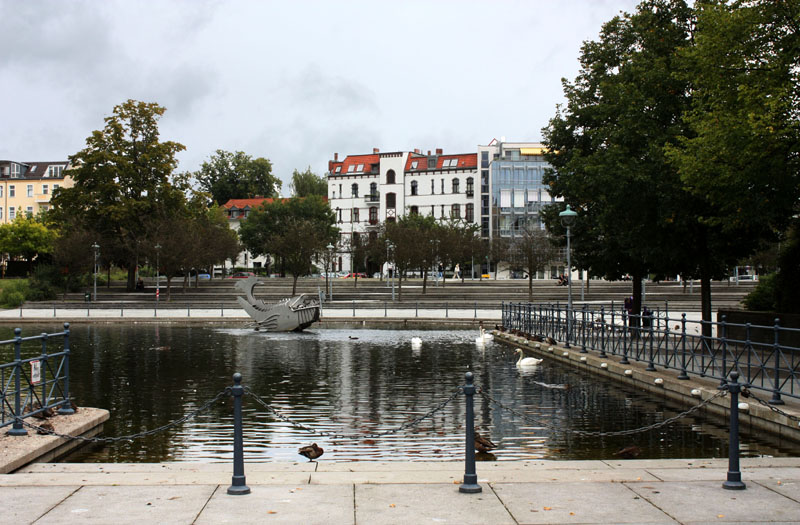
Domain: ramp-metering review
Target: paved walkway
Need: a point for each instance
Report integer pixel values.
(525, 492)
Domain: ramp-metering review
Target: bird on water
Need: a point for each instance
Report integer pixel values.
(483, 444)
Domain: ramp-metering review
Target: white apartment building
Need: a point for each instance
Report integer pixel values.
(366, 190)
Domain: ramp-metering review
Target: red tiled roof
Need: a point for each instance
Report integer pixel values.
(354, 160)
(465, 161)
(241, 204)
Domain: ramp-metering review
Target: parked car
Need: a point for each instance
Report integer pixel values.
(360, 275)
(241, 275)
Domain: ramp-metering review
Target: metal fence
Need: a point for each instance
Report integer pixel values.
(34, 385)
(702, 348)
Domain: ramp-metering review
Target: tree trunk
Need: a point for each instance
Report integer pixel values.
(705, 303)
(399, 284)
(131, 285)
(424, 280)
(169, 288)
(294, 285)
(637, 299)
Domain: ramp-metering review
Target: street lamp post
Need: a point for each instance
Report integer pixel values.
(96, 248)
(390, 257)
(330, 279)
(158, 283)
(568, 217)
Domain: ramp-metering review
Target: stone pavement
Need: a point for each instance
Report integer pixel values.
(519, 492)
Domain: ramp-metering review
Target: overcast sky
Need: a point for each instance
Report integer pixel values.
(292, 81)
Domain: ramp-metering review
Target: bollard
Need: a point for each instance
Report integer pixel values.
(476, 310)
(17, 429)
(470, 485)
(384, 308)
(66, 406)
(734, 481)
(238, 483)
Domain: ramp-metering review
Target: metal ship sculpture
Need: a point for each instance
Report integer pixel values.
(287, 315)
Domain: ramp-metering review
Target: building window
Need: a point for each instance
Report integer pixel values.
(373, 189)
(433, 188)
(414, 164)
(55, 171)
(354, 190)
(15, 170)
(484, 159)
(470, 212)
(470, 186)
(12, 213)
(360, 168)
(30, 190)
(390, 177)
(355, 215)
(391, 200)
(455, 185)
(55, 187)
(414, 210)
(373, 215)
(234, 213)
(1, 212)
(442, 186)
(431, 163)
(338, 169)
(12, 191)
(1, 191)
(339, 214)
(455, 211)
(351, 168)
(45, 189)
(414, 190)
(29, 211)
(450, 163)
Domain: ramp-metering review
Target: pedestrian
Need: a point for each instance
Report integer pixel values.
(457, 272)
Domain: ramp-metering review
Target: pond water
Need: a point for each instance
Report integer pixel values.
(357, 382)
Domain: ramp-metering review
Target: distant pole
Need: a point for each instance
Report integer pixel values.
(96, 248)
(158, 283)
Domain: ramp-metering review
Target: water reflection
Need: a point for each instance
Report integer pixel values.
(358, 383)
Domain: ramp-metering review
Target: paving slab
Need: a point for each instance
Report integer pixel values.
(175, 466)
(790, 489)
(283, 504)
(564, 475)
(149, 478)
(708, 502)
(721, 474)
(669, 463)
(481, 466)
(531, 503)
(406, 504)
(395, 477)
(25, 504)
(134, 505)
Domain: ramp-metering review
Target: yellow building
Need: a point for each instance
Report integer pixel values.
(26, 187)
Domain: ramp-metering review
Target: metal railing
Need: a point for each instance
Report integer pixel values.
(702, 348)
(35, 385)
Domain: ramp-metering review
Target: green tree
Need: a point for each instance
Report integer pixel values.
(237, 175)
(296, 231)
(532, 252)
(122, 179)
(308, 183)
(26, 237)
(607, 148)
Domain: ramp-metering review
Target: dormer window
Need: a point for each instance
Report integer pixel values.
(414, 164)
(450, 163)
(54, 171)
(351, 168)
(338, 169)
(360, 168)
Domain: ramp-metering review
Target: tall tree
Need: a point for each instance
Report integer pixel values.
(237, 175)
(122, 178)
(296, 231)
(607, 145)
(307, 183)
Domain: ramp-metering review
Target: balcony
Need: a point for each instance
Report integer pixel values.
(374, 197)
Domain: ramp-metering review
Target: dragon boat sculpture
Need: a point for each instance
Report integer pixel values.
(287, 315)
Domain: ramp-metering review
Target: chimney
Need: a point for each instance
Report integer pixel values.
(429, 153)
(416, 150)
(335, 157)
(438, 151)
(375, 150)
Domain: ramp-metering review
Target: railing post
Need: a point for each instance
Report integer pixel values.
(470, 485)
(238, 483)
(43, 372)
(626, 322)
(354, 308)
(603, 331)
(734, 481)
(683, 375)
(651, 366)
(66, 405)
(476, 310)
(446, 309)
(583, 330)
(416, 309)
(17, 429)
(722, 382)
(776, 389)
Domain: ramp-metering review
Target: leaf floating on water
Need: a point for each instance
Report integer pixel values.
(720, 515)
(548, 508)
(392, 505)
(271, 512)
(369, 441)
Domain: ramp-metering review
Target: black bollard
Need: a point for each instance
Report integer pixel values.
(734, 474)
(470, 485)
(238, 483)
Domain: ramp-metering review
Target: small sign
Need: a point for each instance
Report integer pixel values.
(36, 372)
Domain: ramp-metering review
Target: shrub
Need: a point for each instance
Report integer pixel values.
(13, 294)
(762, 298)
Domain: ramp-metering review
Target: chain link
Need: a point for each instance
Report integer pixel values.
(356, 437)
(647, 428)
(746, 393)
(131, 437)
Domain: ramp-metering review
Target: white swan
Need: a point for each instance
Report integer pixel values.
(416, 341)
(486, 337)
(526, 361)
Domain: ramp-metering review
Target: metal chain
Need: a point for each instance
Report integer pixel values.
(747, 394)
(131, 437)
(647, 428)
(334, 435)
